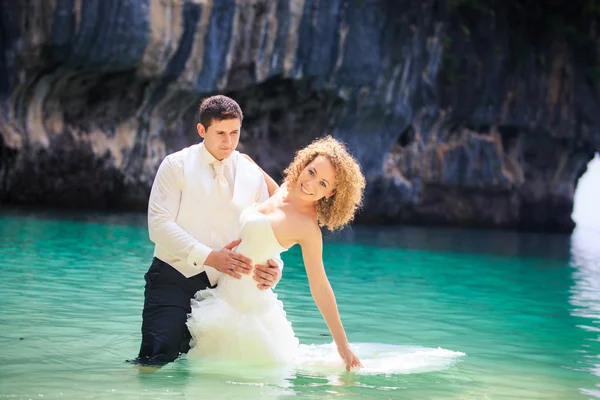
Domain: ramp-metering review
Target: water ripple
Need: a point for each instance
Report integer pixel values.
(523, 308)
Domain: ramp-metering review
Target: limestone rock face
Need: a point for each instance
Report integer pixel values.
(456, 116)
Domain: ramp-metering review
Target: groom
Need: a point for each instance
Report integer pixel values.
(196, 199)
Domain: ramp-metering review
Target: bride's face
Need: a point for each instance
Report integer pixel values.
(317, 180)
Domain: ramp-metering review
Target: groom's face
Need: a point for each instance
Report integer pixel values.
(221, 137)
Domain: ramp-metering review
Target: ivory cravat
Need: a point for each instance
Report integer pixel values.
(221, 181)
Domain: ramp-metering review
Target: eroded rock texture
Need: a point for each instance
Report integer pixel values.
(460, 112)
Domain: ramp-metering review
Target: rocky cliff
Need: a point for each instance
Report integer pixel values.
(462, 112)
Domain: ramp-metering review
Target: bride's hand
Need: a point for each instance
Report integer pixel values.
(349, 357)
(267, 276)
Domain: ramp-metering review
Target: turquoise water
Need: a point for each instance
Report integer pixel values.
(524, 308)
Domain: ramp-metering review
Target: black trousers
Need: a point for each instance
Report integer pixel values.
(167, 298)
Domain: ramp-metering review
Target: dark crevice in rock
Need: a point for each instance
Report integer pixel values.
(510, 138)
(8, 159)
(407, 137)
(91, 101)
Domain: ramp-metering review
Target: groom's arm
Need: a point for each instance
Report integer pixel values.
(163, 208)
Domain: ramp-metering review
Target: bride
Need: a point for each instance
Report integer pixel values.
(236, 321)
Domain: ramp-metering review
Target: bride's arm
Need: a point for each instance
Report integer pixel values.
(322, 293)
(272, 186)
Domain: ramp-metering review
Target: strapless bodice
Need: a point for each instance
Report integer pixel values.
(258, 239)
(260, 244)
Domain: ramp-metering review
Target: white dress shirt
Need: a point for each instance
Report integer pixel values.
(187, 218)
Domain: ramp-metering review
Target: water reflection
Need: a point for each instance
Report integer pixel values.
(196, 380)
(586, 261)
(457, 240)
(585, 295)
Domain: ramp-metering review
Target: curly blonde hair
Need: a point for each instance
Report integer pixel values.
(338, 210)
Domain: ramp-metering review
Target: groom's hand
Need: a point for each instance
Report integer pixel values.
(267, 276)
(229, 262)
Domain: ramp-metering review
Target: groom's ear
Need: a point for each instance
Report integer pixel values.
(201, 130)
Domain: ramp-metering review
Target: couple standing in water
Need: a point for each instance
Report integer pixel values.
(219, 224)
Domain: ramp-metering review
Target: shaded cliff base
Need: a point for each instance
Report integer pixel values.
(59, 180)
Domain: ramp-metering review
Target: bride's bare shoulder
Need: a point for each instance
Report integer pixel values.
(308, 229)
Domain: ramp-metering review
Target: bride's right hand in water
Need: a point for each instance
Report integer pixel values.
(229, 262)
(349, 357)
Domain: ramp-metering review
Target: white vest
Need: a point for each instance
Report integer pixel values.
(202, 213)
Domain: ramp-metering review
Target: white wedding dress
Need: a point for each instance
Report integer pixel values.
(236, 321)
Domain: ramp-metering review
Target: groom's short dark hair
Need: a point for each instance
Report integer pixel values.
(219, 108)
